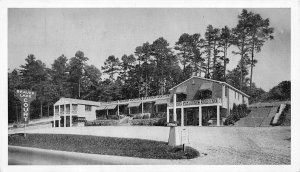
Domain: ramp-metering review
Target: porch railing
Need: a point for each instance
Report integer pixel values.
(198, 102)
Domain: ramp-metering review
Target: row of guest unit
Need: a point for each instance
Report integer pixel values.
(153, 104)
(198, 101)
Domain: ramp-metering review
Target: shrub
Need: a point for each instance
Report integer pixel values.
(159, 115)
(102, 123)
(161, 122)
(141, 116)
(113, 117)
(236, 114)
(144, 122)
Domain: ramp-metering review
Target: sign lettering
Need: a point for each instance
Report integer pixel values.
(25, 96)
(209, 101)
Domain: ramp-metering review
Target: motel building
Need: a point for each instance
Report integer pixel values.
(198, 102)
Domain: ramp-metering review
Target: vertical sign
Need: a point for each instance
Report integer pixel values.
(25, 96)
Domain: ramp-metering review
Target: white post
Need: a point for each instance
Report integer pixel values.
(182, 116)
(53, 116)
(142, 106)
(200, 115)
(174, 107)
(129, 110)
(156, 108)
(59, 116)
(70, 115)
(218, 115)
(168, 115)
(118, 108)
(65, 117)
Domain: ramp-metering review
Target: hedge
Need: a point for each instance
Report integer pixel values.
(101, 122)
(236, 114)
(144, 122)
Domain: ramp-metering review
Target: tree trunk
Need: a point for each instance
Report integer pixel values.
(241, 66)
(208, 62)
(139, 77)
(214, 59)
(17, 112)
(225, 56)
(48, 109)
(252, 58)
(41, 109)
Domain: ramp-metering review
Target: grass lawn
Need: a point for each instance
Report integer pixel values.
(103, 145)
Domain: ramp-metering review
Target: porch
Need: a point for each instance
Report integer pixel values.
(197, 112)
(65, 115)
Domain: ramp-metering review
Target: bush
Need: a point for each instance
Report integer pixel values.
(113, 117)
(102, 123)
(161, 122)
(144, 122)
(159, 115)
(236, 114)
(141, 116)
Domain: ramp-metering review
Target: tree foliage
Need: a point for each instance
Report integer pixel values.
(152, 69)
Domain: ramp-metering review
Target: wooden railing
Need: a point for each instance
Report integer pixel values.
(144, 99)
(197, 102)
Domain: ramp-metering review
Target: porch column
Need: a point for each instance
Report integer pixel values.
(142, 106)
(156, 108)
(65, 116)
(70, 115)
(200, 115)
(218, 115)
(118, 109)
(174, 107)
(168, 115)
(59, 116)
(129, 110)
(182, 116)
(53, 116)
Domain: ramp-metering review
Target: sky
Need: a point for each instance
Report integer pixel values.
(99, 33)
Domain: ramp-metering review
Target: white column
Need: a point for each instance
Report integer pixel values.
(200, 115)
(118, 109)
(129, 110)
(142, 106)
(65, 117)
(70, 115)
(53, 116)
(156, 108)
(59, 115)
(174, 107)
(218, 115)
(168, 115)
(182, 116)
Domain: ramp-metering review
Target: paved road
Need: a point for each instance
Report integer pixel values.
(223, 145)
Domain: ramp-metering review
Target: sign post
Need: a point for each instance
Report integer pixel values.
(26, 97)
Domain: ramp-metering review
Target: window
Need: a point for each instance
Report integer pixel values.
(74, 108)
(181, 97)
(226, 91)
(206, 94)
(67, 108)
(62, 109)
(56, 109)
(88, 108)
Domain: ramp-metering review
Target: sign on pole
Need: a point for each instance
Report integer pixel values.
(26, 97)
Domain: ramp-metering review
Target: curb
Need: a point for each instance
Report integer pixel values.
(18, 155)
